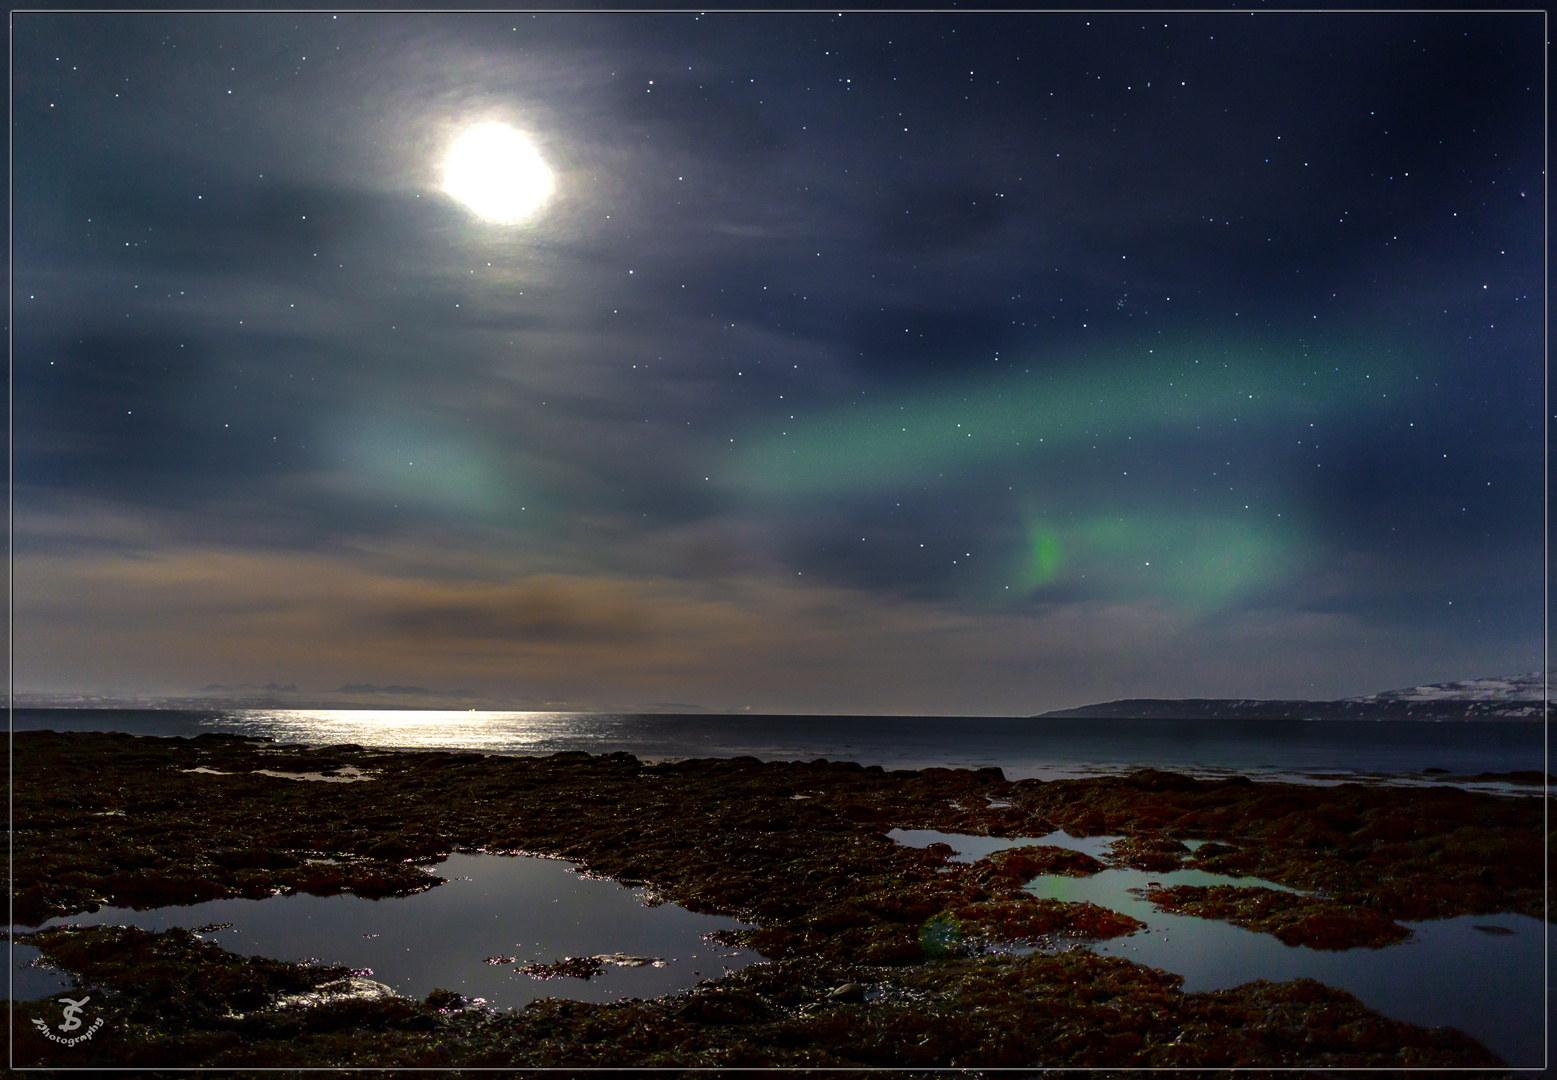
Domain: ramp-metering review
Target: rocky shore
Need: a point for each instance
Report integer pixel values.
(878, 955)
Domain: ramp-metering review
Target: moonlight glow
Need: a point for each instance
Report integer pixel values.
(494, 170)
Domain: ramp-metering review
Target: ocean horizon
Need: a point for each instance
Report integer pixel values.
(1326, 751)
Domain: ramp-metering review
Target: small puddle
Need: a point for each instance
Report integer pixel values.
(521, 909)
(346, 774)
(1454, 972)
(973, 848)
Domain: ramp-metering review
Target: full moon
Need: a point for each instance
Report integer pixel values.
(494, 170)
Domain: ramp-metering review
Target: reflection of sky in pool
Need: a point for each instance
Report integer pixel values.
(973, 848)
(1447, 974)
(491, 905)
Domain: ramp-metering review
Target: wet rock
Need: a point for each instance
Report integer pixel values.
(1076, 1010)
(254, 858)
(831, 901)
(1155, 854)
(444, 1000)
(857, 812)
(1028, 919)
(1213, 849)
(141, 889)
(1317, 922)
(1014, 867)
(352, 988)
(849, 991)
(841, 916)
(623, 960)
(407, 845)
(569, 967)
(732, 1006)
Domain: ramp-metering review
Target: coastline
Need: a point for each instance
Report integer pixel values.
(1322, 752)
(124, 820)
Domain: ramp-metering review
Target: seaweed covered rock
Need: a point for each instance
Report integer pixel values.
(797, 850)
(1318, 922)
(1156, 854)
(1022, 919)
(1014, 867)
(1071, 1010)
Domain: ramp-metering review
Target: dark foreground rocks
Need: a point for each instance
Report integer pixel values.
(1313, 921)
(796, 849)
(171, 998)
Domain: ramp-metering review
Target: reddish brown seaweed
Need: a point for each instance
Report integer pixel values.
(115, 819)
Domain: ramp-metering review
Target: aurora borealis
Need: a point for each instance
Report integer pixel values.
(892, 363)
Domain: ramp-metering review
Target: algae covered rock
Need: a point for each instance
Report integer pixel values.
(1314, 921)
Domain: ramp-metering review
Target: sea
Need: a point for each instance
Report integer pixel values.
(1305, 751)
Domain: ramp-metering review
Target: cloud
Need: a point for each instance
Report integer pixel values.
(548, 610)
(386, 623)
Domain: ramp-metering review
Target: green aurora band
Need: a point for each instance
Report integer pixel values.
(1030, 413)
(1197, 562)
(1033, 412)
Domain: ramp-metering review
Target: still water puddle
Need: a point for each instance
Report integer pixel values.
(1448, 973)
(522, 909)
(970, 849)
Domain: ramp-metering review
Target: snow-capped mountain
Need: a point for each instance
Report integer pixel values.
(1508, 697)
(1525, 687)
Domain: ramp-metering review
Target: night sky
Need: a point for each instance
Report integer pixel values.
(925, 363)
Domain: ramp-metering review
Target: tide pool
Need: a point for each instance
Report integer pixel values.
(1447, 973)
(525, 909)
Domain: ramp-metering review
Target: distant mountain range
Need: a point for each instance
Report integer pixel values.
(1510, 697)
